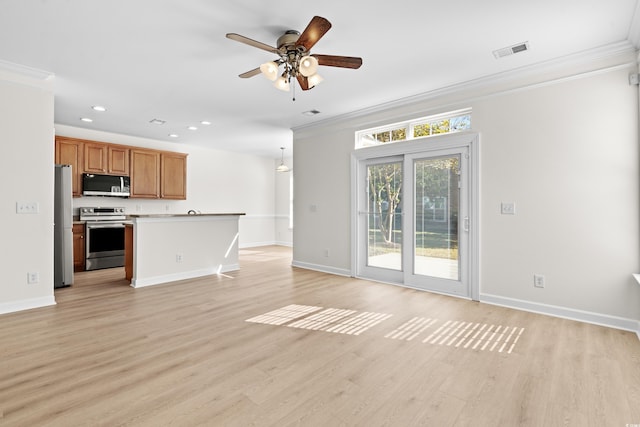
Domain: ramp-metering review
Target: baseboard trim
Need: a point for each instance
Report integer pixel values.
(255, 244)
(259, 244)
(564, 312)
(166, 278)
(322, 268)
(26, 304)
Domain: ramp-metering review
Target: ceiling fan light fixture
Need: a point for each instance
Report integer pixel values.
(308, 66)
(315, 80)
(294, 51)
(269, 70)
(282, 83)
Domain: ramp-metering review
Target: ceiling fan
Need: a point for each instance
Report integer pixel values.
(294, 51)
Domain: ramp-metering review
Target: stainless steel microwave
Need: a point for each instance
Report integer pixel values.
(105, 185)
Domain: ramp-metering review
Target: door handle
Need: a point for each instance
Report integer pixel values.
(465, 223)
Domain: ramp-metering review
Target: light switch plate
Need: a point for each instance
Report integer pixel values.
(27, 207)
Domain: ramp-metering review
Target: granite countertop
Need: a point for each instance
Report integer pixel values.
(183, 215)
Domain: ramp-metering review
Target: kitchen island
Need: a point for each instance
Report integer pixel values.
(169, 247)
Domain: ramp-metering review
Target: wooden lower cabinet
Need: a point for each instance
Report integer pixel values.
(78, 247)
(128, 252)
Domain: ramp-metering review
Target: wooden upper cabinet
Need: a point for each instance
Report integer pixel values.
(69, 151)
(95, 158)
(154, 174)
(145, 174)
(118, 160)
(106, 159)
(173, 176)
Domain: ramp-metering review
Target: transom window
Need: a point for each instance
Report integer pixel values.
(453, 121)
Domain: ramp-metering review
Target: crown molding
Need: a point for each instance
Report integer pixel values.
(591, 56)
(25, 71)
(634, 28)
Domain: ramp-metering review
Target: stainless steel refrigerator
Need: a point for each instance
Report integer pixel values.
(63, 228)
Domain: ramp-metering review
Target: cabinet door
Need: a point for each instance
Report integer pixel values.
(173, 173)
(118, 160)
(78, 247)
(95, 158)
(70, 152)
(145, 174)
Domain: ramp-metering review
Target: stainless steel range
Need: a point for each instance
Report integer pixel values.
(104, 231)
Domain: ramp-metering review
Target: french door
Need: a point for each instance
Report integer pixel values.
(414, 219)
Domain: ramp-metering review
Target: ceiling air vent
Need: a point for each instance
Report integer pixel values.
(506, 51)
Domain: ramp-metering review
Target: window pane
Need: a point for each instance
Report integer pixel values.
(422, 130)
(383, 137)
(441, 126)
(385, 217)
(399, 134)
(460, 123)
(437, 199)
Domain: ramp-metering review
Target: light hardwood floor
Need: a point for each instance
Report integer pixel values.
(184, 354)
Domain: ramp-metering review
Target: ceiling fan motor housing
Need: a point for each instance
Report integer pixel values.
(288, 40)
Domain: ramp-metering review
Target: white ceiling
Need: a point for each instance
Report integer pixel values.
(170, 60)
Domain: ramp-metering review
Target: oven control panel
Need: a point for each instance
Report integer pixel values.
(101, 214)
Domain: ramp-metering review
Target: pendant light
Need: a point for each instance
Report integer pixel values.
(282, 167)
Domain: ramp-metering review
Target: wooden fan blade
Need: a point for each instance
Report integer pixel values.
(339, 61)
(314, 31)
(304, 82)
(250, 73)
(251, 42)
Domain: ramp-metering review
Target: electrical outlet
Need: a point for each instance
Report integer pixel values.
(178, 257)
(326, 253)
(27, 207)
(538, 280)
(508, 208)
(33, 277)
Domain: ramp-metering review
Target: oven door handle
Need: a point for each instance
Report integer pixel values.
(105, 226)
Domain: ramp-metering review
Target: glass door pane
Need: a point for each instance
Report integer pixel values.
(384, 218)
(436, 210)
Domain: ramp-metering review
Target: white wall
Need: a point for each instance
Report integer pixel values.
(217, 182)
(561, 143)
(26, 165)
(283, 233)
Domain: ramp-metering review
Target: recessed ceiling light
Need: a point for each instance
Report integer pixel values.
(157, 121)
(86, 119)
(192, 128)
(174, 135)
(99, 108)
(311, 112)
(204, 122)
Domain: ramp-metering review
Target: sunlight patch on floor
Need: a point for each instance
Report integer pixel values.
(451, 333)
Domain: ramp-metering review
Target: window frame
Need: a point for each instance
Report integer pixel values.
(409, 128)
